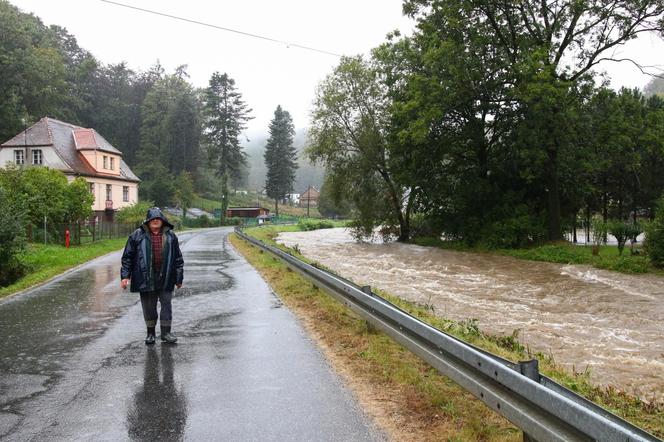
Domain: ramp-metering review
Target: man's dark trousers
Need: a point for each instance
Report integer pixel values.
(149, 304)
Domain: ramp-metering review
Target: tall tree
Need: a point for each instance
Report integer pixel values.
(349, 135)
(280, 157)
(225, 117)
(553, 44)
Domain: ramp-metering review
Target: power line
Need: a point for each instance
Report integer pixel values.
(246, 34)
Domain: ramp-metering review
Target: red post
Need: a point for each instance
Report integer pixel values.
(67, 238)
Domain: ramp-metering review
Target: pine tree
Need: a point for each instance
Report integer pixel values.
(280, 157)
(226, 115)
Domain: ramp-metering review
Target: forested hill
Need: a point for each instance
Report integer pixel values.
(307, 173)
(156, 118)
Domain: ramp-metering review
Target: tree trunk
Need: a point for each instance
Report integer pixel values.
(588, 224)
(553, 196)
(276, 207)
(224, 197)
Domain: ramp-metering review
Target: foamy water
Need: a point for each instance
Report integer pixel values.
(610, 323)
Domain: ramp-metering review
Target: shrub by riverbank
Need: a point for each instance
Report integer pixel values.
(45, 261)
(650, 417)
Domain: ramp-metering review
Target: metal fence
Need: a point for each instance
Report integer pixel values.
(79, 232)
(542, 408)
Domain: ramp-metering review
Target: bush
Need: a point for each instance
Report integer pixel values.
(311, 224)
(12, 239)
(134, 214)
(622, 232)
(654, 243)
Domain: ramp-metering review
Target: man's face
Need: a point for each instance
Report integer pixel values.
(155, 224)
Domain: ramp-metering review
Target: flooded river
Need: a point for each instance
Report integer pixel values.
(610, 323)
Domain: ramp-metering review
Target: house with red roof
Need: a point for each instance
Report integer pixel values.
(76, 151)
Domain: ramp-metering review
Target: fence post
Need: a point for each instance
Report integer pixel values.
(529, 369)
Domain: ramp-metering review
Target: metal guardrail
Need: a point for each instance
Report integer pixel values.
(542, 408)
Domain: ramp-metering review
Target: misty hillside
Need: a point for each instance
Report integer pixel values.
(307, 174)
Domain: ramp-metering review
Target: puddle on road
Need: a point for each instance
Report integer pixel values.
(610, 323)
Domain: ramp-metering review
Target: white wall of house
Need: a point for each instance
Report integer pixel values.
(49, 157)
(117, 193)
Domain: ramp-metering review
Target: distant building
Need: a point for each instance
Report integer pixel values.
(246, 212)
(76, 151)
(309, 198)
(293, 198)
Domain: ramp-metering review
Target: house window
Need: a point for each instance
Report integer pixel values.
(37, 156)
(19, 157)
(109, 194)
(92, 190)
(112, 163)
(125, 193)
(105, 162)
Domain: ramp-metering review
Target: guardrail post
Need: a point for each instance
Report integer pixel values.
(529, 369)
(367, 289)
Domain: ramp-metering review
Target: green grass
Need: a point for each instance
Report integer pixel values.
(45, 261)
(648, 416)
(562, 253)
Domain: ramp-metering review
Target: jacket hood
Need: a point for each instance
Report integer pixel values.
(154, 213)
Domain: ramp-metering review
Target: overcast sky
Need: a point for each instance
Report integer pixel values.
(266, 73)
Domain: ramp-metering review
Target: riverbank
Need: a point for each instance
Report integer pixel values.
(46, 261)
(561, 253)
(631, 408)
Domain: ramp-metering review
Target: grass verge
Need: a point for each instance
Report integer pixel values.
(647, 416)
(45, 261)
(562, 253)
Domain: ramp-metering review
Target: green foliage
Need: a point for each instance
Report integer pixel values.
(12, 238)
(225, 117)
(623, 231)
(332, 203)
(184, 192)
(655, 237)
(280, 157)
(78, 200)
(598, 231)
(45, 192)
(134, 214)
(349, 135)
(314, 224)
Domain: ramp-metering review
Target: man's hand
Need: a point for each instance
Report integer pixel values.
(124, 283)
(178, 286)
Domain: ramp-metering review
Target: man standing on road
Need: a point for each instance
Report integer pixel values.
(152, 263)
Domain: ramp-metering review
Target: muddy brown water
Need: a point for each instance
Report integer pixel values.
(609, 323)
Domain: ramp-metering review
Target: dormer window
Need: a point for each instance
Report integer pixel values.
(37, 156)
(112, 163)
(105, 162)
(19, 157)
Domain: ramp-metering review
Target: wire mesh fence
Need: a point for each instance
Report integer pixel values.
(81, 232)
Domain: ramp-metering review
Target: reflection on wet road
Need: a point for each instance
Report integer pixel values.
(611, 323)
(74, 366)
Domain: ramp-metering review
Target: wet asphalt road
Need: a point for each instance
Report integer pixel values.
(74, 366)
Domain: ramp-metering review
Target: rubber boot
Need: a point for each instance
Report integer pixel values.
(150, 338)
(167, 337)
